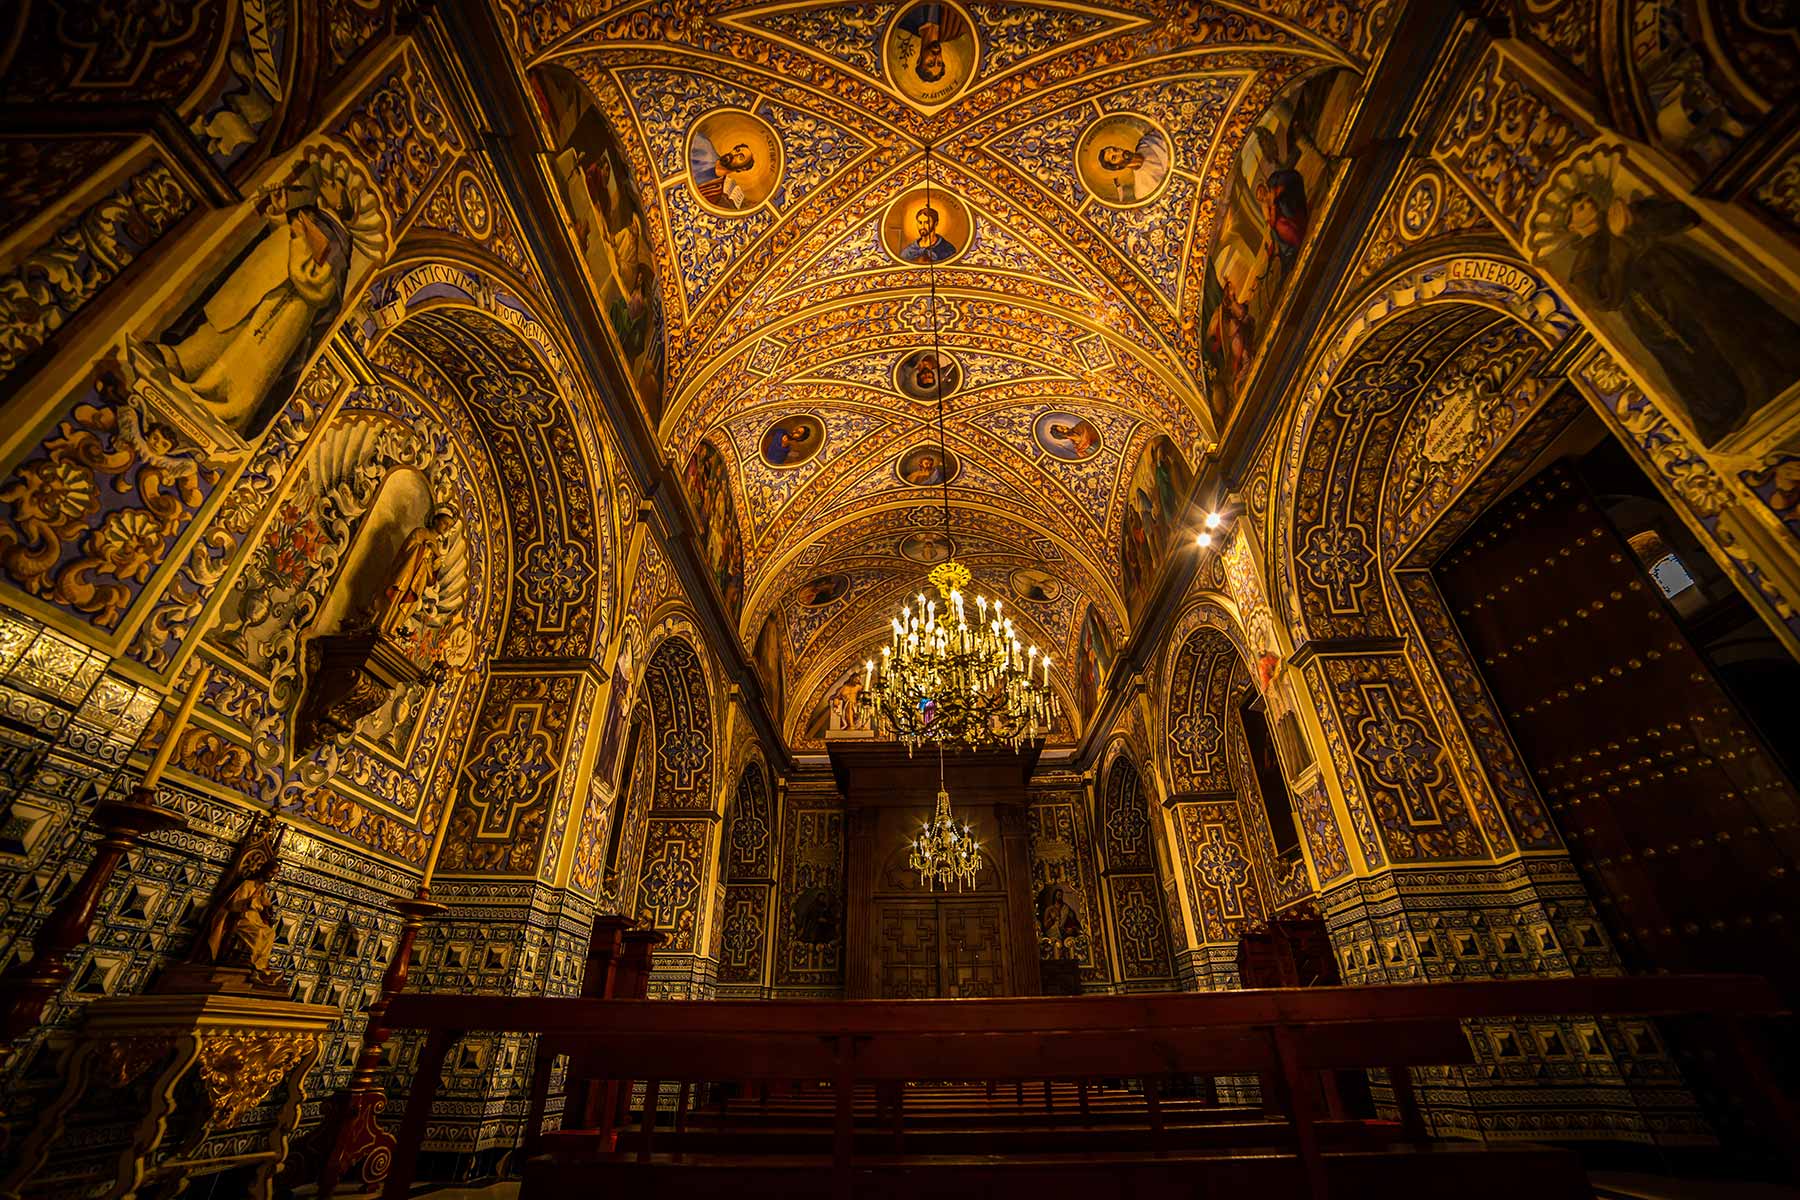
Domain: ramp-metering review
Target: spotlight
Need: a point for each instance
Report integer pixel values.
(1203, 539)
(1214, 520)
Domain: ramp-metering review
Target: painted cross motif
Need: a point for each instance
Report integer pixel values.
(509, 770)
(555, 576)
(668, 881)
(1221, 866)
(1400, 753)
(1336, 559)
(684, 752)
(1198, 735)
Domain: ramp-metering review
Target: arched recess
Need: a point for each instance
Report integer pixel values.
(1232, 815)
(1134, 887)
(679, 843)
(749, 874)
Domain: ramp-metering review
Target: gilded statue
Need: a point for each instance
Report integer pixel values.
(415, 570)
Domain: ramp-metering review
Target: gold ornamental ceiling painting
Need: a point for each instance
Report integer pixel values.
(1117, 195)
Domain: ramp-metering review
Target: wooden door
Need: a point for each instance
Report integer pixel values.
(907, 948)
(1686, 828)
(973, 947)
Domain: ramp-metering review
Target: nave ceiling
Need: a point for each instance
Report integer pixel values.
(778, 155)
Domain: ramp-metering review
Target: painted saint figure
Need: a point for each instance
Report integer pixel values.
(415, 570)
(1138, 170)
(1725, 350)
(788, 442)
(1073, 439)
(929, 246)
(1058, 923)
(933, 25)
(713, 170)
(262, 322)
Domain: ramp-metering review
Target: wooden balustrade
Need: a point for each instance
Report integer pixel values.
(1285, 1035)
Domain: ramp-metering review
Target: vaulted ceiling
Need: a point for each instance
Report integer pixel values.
(779, 152)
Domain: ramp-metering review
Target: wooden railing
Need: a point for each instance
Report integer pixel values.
(1285, 1035)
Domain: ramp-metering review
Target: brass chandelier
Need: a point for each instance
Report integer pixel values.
(947, 676)
(945, 852)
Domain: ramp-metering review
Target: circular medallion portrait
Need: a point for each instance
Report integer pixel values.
(920, 374)
(929, 549)
(1124, 159)
(822, 590)
(1066, 436)
(793, 440)
(734, 160)
(1029, 583)
(927, 466)
(915, 231)
(930, 52)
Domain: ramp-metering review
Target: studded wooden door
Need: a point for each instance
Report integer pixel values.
(1685, 827)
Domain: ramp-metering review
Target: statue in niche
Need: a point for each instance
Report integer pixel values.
(415, 570)
(241, 348)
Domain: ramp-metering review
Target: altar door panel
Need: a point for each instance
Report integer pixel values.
(1671, 806)
(907, 946)
(974, 947)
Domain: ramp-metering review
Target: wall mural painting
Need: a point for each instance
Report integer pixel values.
(1154, 503)
(920, 374)
(1092, 661)
(930, 53)
(232, 360)
(709, 490)
(609, 229)
(793, 440)
(928, 549)
(1035, 585)
(1123, 159)
(920, 230)
(1265, 226)
(1720, 348)
(928, 466)
(822, 590)
(734, 160)
(1065, 436)
(612, 732)
(1689, 111)
(769, 667)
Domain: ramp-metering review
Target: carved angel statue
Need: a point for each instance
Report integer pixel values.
(415, 570)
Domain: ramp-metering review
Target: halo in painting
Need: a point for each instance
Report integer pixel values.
(1123, 159)
(1066, 436)
(927, 466)
(1037, 586)
(917, 231)
(792, 440)
(930, 53)
(929, 549)
(821, 590)
(734, 161)
(918, 375)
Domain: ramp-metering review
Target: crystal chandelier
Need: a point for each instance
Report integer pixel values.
(945, 851)
(944, 677)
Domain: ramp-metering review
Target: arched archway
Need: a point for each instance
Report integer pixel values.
(679, 845)
(749, 874)
(1134, 880)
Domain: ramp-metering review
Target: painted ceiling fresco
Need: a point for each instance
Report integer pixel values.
(1082, 161)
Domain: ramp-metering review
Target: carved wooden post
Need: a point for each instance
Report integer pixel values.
(631, 981)
(349, 1134)
(28, 987)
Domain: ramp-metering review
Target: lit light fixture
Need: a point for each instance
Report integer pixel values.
(945, 852)
(1203, 539)
(948, 676)
(1214, 520)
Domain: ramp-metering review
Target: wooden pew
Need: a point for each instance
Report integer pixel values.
(1284, 1034)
